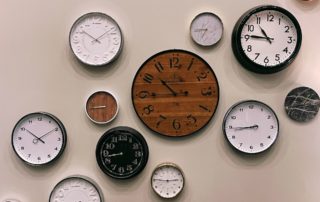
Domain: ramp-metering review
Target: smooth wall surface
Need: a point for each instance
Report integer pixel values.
(39, 73)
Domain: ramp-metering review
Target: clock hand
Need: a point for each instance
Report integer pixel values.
(116, 154)
(247, 127)
(48, 133)
(265, 34)
(35, 141)
(102, 35)
(261, 37)
(166, 180)
(174, 93)
(94, 39)
(98, 107)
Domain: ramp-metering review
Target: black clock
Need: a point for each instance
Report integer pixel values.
(122, 152)
(266, 39)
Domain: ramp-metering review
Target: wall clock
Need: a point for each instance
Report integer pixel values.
(251, 126)
(167, 180)
(76, 189)
(122, 152)
(102, 107)
(39, 138)
(206, 29)
(302, 104)
(95, 39)
(266, 39)
(175, 93)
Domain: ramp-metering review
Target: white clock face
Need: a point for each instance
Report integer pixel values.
(76, 189)
(206, 29)
(269, 38)
(251, 126)
(38, 138)
(167, 180)
(95, 39)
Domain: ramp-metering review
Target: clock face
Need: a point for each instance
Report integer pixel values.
(266, 39)
(122, 152)
(39, 138)
(175, 93)
(96, 39)
(206, 29)
(76, 189)
(167, 180)
(251, 126)
(102, 107)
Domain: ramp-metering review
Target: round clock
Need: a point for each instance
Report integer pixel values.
(251, 126)
(122, 152)
(175, 93)
(95, 39)
(167, 180)
(76, 189)
(302, 104)
(39, 138)
(266, 39)
(102, 107)
(206, 29)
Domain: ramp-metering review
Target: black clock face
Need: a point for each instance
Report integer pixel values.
(266, 39)
(122, 152)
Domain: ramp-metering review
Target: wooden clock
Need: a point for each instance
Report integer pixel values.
(175, 93)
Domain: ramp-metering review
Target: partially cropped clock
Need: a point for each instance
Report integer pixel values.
(175, 93)
(266, 39)
(39, 138)
(96, 39)
(251, 126)
(76, 189)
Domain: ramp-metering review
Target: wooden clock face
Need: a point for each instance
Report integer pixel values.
(175, 93)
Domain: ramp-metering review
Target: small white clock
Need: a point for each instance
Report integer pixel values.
(251, 126)
(39, 138)
(167, 180)
(76, 189)
(96, 39)
(206, 29)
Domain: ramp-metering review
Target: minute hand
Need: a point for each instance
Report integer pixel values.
(166, 85)
(265, 34)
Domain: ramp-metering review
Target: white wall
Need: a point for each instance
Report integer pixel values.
(39, 73)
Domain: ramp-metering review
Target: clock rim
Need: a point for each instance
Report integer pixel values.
(244, 60)
(175, 51)
(64, 138)
(79, 19)
(137, 135)
(82, 177)
(231, 109)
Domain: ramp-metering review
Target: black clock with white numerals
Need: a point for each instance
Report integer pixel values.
(122, 152)
(39, 138)
(266, 39)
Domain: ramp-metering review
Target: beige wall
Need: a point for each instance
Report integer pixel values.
(39, 73)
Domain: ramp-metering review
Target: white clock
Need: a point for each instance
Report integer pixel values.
(39, 138)
(76, 189)
(95, 39)
(206, 29)
(251, 126)
(167, 180)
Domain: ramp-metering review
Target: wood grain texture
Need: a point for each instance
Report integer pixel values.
(175, 93)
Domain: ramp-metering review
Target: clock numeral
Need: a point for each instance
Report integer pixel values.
(111, 146)
(59, 139)
(269, 137)
(39, 118)
(114, 139)
(287, 28)
(22, 148)
(290, 40)
(23, 129)
(113, 166)
(121, 170)
(241, 109)
(272, 127)
(230, 127)
(279, 21)
(148, 78)
(143, 94)
(240, 144)
(56, 148)
(266, 60)
(247, 37)
(270, 18)
(269, 117)
(135, 146)
(233, 137)
(192, 120)
(285, 50)
(176, 124)
(261, 145)
(251, 106)
(19, 138)
(49, 156)
(148, 109)
(249, 48)
(135, 162)
(202, 75)
(174, 62)
(137, 154)
(206, 91)
(123, 138)
(105, 153)
(277, 57)
(204, 108)
(159, 67)
(129, 168)
(29, 155)
(251, 147)
(233, 117)
(258, 20)
(107, 161)
(162, 118)
(39, 158)
(30, 121)
(191, 63)
(250, 28)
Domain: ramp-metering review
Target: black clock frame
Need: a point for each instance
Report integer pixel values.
(244, 60)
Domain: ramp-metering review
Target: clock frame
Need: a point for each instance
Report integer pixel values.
(175, 93)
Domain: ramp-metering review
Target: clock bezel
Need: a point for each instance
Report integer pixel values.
(244, 60)
(112, 132)
(61, 127)
(227, 115)
(115, 56)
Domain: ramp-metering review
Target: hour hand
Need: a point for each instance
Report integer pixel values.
(174, 93)
(265, 34)
(36, 137)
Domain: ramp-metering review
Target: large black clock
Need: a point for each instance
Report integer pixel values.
(122, 152)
